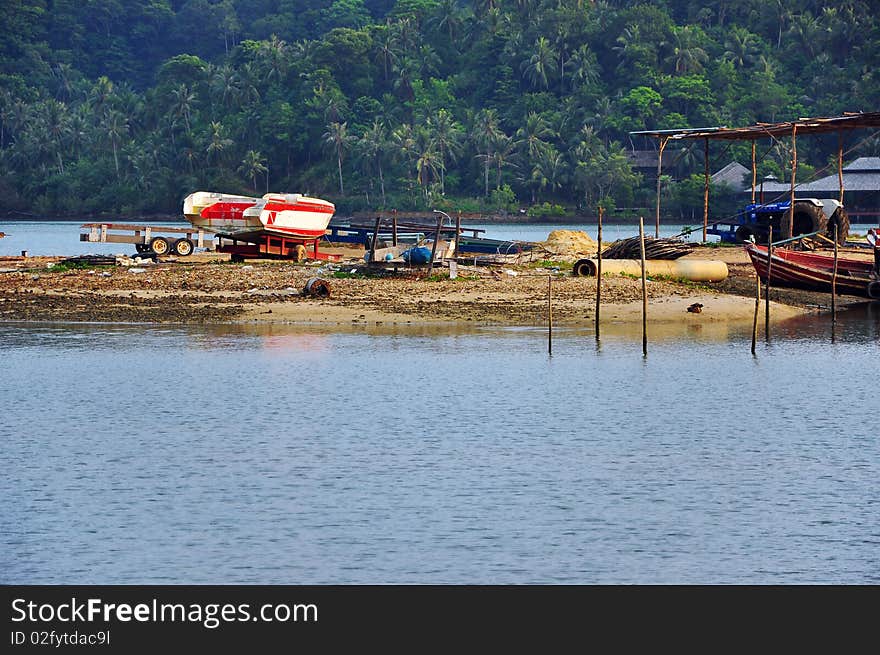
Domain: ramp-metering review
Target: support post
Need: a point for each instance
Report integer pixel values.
(705, 188)
(834, 281)
(754, 172)
(663, 140)
(375, 240)
(790, 232)
(644, 289)
(457, 232)
(767, 285)
(757, 304)
(599, 272)
(840, 167)
(394, 227)
(434, 245)
(549, 314)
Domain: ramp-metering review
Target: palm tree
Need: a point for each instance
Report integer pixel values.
(504, 155)
(534, 134)
(217, 143)
(741, 46)
(484, 133)
(686, 56)
(337, 136)
(373, 145)
(539, 67)
(183, 100)
(446, 137)
(252, 165)
(583, 66)
(57, 128)
(116, 127)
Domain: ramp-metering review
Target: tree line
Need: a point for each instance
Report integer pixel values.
(126, 106)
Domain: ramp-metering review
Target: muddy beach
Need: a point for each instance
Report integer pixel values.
(207, 288)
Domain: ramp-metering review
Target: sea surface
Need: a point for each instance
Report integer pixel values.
(283, 454)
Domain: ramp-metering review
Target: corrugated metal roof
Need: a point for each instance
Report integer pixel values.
(733, 175)
(848, 121)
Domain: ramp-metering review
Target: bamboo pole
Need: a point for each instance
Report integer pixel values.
(834, 281)
(705, 188)
(599, 273)
(757, 305)
(663, 140)
(767, 285)
(434, 245)
(754, 172)
(644, 289)
(549, 314)
(375, 239)
(793, 175)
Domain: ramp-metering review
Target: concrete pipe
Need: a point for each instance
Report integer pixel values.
(696, 270)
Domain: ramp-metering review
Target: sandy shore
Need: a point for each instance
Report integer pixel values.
(207, 288)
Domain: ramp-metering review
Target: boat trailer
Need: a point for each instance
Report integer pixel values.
(147, 239)
(273, 247)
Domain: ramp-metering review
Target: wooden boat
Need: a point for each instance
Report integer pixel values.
(814, 271)
(243, 218)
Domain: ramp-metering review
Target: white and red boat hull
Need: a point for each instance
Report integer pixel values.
(250, 219)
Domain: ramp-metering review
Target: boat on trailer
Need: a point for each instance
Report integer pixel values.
(250, 219)
(815, 271)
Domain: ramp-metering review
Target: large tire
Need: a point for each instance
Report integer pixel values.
(159, 245)
(743, 233)
(841, 219)
(583, 267)
(808, 218)
(183, 247)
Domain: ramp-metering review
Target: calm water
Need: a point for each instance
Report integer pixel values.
(62, 237)
(156, 454)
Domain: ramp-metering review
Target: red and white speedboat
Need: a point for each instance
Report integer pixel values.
(292, 215)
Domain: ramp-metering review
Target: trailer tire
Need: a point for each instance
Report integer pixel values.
(142, 248)
(183, 247)
(159, 245)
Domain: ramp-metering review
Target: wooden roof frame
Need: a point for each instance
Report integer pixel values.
(821, 125)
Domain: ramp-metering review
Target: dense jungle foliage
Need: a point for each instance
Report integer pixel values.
(126, 106)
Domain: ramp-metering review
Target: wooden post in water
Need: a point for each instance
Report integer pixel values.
(644, 289)
(767, 285)
(599, 273)
(375, 239)
(549, 314)
(834, 281)
(757, 305)
(434, 246)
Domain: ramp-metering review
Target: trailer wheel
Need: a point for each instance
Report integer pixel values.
(183, 247)
(159, 245)
(142, 248)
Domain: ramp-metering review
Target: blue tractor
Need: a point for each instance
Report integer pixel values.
(811, 215)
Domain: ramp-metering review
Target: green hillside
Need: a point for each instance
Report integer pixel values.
(122, 107)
